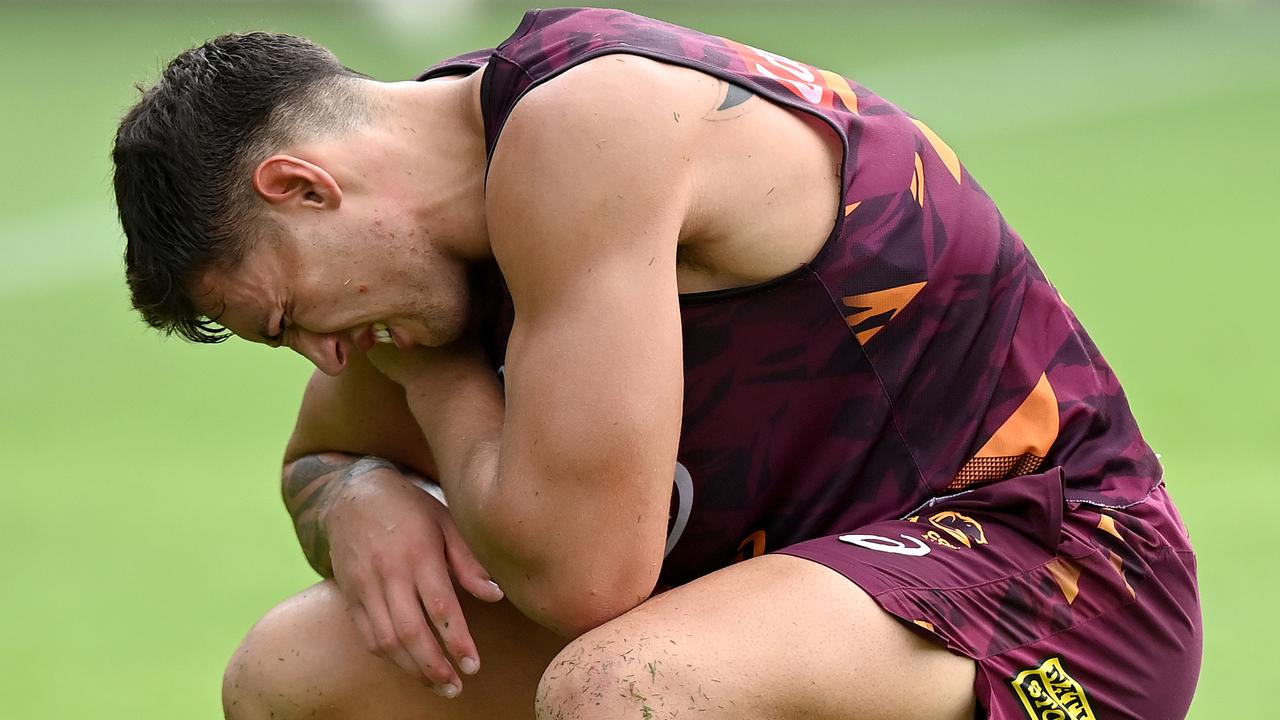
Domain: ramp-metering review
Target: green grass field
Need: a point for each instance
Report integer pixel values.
(1133, 145)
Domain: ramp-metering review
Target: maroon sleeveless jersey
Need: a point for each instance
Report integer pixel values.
(920, 354)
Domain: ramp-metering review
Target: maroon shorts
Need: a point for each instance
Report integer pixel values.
(1070, 611)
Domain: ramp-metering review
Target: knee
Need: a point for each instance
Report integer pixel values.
(609, 673)
(281, 669)
(573, 682)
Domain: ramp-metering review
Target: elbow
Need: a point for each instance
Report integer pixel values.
(572, 606)
(571, 620)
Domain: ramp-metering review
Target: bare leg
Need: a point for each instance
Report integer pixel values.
(305, 660)
(772, 638)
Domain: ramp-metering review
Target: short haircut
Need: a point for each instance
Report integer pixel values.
(185, 156)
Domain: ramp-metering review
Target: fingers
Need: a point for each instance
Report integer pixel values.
(396, 629)
(437, 597)
(402, 596)
(416, 640)
(386, 640)
(470, 574)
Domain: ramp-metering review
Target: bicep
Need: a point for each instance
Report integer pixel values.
(587, 197)
(594, 390)
(359, 412)
(594, 387)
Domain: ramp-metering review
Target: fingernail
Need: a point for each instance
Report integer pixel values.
(448, 690)
(469, 665)
(495, 587)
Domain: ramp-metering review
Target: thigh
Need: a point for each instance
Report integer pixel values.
(305, 659)
(773, 637)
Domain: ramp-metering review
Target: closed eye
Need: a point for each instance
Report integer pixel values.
(277, 339)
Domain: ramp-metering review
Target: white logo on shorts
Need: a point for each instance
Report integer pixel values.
(888, 545)
(684, 505)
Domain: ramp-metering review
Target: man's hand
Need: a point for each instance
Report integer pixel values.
(393, 548)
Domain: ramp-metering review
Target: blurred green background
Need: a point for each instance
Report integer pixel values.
(1134, 146)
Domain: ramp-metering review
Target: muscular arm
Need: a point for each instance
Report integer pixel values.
(563, 491)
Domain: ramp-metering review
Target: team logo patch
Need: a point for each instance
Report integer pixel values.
(960, 530)
(963, 528)
(1048, 692)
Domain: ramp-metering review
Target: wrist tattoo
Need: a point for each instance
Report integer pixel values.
(309, 486)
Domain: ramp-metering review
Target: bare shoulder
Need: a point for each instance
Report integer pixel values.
(747, 189)
(609, 137)
(642, 94)
(600, 108)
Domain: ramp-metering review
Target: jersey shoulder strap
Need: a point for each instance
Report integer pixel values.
(549, 42)
(463, 64)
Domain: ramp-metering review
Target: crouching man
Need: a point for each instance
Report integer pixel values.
(745, 400)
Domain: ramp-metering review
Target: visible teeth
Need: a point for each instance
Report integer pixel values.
(382, 334)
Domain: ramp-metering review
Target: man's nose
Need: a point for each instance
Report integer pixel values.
(325, 351)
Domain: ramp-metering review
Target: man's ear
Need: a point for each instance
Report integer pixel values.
(284, 179)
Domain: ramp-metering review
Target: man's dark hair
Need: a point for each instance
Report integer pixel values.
(185, 155)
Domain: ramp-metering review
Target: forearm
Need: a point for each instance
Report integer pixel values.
(531, 535)
(461, 415)
(310, 485)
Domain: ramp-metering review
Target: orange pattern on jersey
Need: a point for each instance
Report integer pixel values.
(1019, 446)
(917, 181)
(881, 302)
(1118, 563)
(841, 87)
(811, 84)
(1067, 575)
(1107, 524)
(751, 547)
(848, 209)
(949, 157)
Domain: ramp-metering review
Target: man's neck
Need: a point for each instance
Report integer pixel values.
(435, 131)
